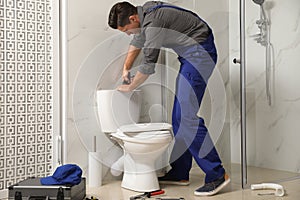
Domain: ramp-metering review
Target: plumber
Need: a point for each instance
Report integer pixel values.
(158, 24)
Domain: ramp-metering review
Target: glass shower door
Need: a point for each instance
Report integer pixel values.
(272, 38)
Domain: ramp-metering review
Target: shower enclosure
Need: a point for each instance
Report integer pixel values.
(269, 90)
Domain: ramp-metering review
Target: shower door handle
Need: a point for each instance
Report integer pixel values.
(236, 61)
(59, 150)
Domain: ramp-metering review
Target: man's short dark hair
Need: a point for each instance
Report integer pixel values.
(120, 13)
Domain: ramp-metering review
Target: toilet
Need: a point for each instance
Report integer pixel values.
(142, 143)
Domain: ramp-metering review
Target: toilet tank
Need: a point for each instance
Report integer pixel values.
(117, 108)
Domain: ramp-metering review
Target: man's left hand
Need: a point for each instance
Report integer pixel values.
(124, 88)
(138, 79)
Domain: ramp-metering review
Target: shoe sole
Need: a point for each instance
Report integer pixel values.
(215, 191)
(181, 183)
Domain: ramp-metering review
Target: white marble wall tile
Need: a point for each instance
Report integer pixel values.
(87, 28)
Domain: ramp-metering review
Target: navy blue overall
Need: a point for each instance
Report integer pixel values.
(192, 139)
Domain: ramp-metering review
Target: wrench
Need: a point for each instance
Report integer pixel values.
(147, 195)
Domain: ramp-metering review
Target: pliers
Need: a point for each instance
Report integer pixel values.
(147, 195)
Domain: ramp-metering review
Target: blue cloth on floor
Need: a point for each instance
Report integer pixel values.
(69, 174)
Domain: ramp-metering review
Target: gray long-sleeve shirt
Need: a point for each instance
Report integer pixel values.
(166, 27)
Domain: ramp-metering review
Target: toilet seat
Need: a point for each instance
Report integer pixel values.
(142, 127)
(145, 133)
(143, 137)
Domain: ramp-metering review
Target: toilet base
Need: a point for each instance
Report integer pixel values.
(143, 182)
(139, 173)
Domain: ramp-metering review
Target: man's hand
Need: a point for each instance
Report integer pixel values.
(124, 88)
(126, 76)
(137, 81)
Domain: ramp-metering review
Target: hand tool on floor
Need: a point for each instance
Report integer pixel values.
(147, 195)
(170, 199)
(92, 198)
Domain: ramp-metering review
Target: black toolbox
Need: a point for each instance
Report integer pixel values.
(31, 188)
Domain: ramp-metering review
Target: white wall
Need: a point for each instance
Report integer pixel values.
(272, 131)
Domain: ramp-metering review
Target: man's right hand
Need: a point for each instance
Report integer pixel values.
(126, 76)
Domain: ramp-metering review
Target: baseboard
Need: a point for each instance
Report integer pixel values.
(4, 194)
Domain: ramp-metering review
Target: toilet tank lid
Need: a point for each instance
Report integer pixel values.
(143, 127)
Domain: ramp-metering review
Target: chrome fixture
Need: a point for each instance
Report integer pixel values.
(242, 62)
(263, 38)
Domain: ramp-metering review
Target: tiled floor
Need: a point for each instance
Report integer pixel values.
(291, 182)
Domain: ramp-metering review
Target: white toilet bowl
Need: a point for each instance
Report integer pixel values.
(142, 143)
(142, 146)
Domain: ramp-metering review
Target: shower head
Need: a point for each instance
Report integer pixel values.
(259, 2)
